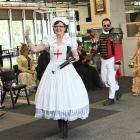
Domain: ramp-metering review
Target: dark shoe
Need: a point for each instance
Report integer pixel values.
(118, 95)
(65, 129)
(60, 124)
(108, 102)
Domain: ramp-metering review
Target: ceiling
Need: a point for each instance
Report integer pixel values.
(44, 3)
(129, 4)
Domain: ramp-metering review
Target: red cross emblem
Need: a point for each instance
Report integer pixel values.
(57, 53)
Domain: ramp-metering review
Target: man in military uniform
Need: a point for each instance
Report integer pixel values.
(110, 52)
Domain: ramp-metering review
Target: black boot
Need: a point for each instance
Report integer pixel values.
(108, 102)
(65, 129)
(60, 123)
(118, 94)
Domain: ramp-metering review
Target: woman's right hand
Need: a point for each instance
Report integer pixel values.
(31, 72)
(131, 58)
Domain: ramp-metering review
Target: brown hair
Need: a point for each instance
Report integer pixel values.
(106, 19)
(23, 48)
(66, 26)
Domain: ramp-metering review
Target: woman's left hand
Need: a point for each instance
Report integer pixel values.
(117, 66)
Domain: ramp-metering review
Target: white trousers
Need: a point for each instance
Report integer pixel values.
(108, 76)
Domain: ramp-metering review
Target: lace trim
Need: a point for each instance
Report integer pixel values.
(65, 115)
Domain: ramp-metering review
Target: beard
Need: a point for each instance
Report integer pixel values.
(106, 29)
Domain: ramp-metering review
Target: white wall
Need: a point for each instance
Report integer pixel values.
(129, 48)
(83, 13)
(117, 12)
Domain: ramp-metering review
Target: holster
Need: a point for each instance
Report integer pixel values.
(66, 62)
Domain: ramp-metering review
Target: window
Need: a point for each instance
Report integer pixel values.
(17, 33)
(132, 17)
(4, 34)
(131, 20)
(132, 29)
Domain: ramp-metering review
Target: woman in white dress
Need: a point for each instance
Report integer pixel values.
(61, 94)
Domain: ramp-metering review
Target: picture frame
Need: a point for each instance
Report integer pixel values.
(100, 6)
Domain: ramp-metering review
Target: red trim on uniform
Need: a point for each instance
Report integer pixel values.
(118, 51)
(109, 49)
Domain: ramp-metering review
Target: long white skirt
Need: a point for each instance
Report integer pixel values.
(61, 95)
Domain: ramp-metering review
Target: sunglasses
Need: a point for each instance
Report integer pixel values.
(58, 26)
(106, 25)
